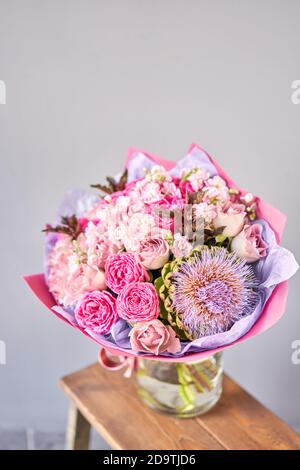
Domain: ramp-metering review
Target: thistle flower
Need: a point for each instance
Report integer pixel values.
(213, 290)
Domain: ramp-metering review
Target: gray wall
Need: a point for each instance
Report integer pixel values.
(87, 79)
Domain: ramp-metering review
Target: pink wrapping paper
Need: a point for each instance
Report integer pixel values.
(272, 311)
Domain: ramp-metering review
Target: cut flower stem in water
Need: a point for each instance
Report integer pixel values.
(180, 389)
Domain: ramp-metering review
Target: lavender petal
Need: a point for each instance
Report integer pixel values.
(195, 158)
(137, 166)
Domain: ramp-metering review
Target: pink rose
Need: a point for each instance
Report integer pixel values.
(122, 269)
(96, 311)
(232, 219)
(84, 279)
(249, 244)
(154, 252)
(138, 302)
(154, 337)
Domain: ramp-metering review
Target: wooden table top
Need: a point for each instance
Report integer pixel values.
(110, 403)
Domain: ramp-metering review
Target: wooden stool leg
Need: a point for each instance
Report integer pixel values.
(78, 430)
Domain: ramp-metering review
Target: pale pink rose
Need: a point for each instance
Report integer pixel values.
(181, 246)
(233, 220)
(248, 244)
(122, 269)
(154, 337)
(84, 279)
(154, 252)
(96, 311)
(138, 302)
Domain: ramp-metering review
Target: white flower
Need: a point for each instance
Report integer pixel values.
(151, 193)
(206, 211)
(216, 191)
(146, 191)
(181, 246)
(158, 173)
(248, 197)
(140, 226)
(122, 203)
(170, 189)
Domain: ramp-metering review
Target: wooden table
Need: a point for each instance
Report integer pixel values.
(109, 402)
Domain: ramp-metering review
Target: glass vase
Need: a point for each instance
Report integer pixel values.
(178, 388)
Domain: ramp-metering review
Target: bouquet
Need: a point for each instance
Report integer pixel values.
(167, 261)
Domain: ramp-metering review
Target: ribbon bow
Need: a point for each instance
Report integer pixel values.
(106, 361)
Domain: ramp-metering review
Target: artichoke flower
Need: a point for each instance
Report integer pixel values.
(206, 292)
(165, 290)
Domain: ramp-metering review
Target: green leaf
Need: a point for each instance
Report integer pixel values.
(163, 312)
(158, 284)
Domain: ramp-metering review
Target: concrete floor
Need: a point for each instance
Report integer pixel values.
(29, 439)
